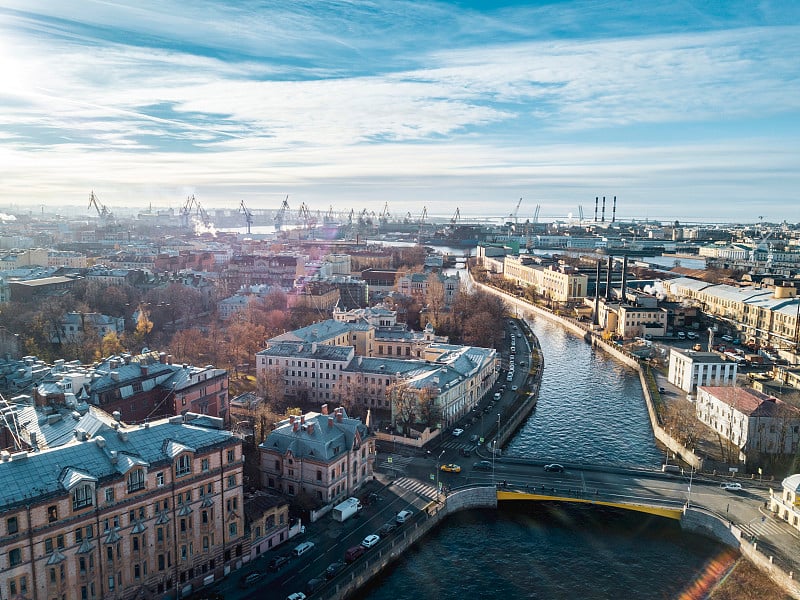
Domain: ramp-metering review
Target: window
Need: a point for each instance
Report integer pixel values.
(183, 466)
(52, 514)
(109, 494)
(233, 529)
(78, 535)
(15, 556)
(135, 480)
(231, 481)
(160, 478)
(231, 455)
(82, 496)
(204, 465)
(11, 525)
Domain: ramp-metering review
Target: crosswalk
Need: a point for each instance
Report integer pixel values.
(416, 486)
(395, 462)
(763, 527)
(458, 444)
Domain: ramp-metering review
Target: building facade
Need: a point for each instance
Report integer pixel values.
(327, 456)
(689, 369)
(132, 512)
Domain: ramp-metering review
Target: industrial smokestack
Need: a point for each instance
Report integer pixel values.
(603, 220)
(596, 200)
(614, 211)
(608, 278)
(624, 275)
(596, 317)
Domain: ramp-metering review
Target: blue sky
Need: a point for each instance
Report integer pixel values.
(684, 109)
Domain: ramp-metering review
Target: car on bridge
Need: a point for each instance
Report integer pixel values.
(387, 528)
(483, 465)
(451, 468)
(554, 468)
(296, 596)
(333, 569)
(371, 540)
(732, 486)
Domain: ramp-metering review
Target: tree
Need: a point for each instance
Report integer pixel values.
(110, 345)
(435, 298)
(187, 345)
(143, 327)
(413, 406)
(271, 386)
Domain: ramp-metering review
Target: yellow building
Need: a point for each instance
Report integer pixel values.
(561, 284)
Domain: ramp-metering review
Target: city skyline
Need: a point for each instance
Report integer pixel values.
(686, 111)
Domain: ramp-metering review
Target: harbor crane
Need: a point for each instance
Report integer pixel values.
(536, 213)
(456, 217)
(102, 210)
(281, 213)
(248, 216)
(383, 219)
(186, 210)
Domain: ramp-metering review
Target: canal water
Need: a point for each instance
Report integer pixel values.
(590, 410)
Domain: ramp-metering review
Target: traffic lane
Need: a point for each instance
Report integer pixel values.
(333, 541)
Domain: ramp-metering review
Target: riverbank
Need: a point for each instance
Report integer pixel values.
(775, 560)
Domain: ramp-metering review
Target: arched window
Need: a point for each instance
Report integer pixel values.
(135, 480)
(82, 496)
(183, 466)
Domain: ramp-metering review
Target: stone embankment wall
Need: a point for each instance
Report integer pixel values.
(389, 550)
(715, 527)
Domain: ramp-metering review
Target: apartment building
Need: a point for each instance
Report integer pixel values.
(325, 455)
(753, 422)
(150, 511)
(689, 369)
(560, 284)
(785, 503)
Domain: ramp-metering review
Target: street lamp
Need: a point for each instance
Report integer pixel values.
(437, 474)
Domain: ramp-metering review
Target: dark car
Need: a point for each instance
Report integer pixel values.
(465, 452)
(277, 562)
(314, 584)
(250, 579)
(483, 465)
(333, 569)
(387, 528)
(554, 468)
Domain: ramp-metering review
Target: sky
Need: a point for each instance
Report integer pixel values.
(684, 110)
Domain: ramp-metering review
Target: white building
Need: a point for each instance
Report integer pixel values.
(785, 504)
(689, 369)
(753, 422)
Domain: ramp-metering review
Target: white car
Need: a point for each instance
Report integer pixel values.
(457, 432)
(734, 486)
(297, 596)
(370, 540)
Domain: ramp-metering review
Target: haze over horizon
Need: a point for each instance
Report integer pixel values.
(686, 110)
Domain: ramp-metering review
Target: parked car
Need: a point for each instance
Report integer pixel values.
(296, 596)
(370, 540)
(473, 438)
(514, 388)
(681, 335)
(314, 584)
(457, 432)
(554, 468)
(483, 465)
(465, 452)
(276, 562)
(732, 486)
(451, 468)
(250, 579)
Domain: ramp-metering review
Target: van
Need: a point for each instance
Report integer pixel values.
(301, 549)
(403, 516)
(353, 553)
(497, 395)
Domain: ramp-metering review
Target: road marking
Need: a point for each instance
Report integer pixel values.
(417, 487)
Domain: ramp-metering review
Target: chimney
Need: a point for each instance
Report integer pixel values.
(608, 277)
(596, 199)
(325, 409)
(603, 220)
(115, 375)
(614, 211)
(339, 416)
(624, 275)
(330, 421)
(310, 428)
(162, 358)
(145, 370)
(117, 416)
(291, 419)
(295, 426)
(302, 419)
(596, 318)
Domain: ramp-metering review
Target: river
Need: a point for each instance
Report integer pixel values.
(590, 409)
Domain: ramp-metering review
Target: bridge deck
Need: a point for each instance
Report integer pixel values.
(653, 509)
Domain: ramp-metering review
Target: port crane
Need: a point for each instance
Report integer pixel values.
(248, 216)
(456, 217)
(102, 210)
(186, 210)
(383, 218)
(281, 213)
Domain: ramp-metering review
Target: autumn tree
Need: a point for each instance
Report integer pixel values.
(110, 345)
(435, 299)
(272, 387)
(187, 345)
(412, 406)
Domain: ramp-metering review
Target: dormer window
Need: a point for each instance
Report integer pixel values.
(135, 480)
(183, 466)
(82, 496)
